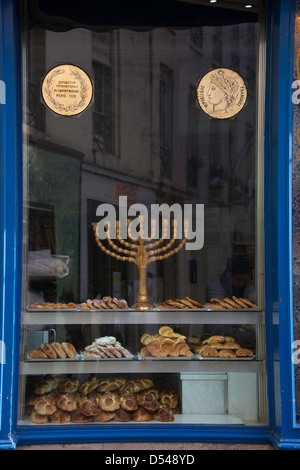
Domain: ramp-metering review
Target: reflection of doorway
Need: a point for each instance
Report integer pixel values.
(106, 275)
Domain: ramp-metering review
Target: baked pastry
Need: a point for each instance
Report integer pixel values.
(37, 354)
(195, 303)
(88, 385)
(78, 417)
(148, 400)
(110, 401)
(36, 418)
(244, 352)
(45, 405)
(240, 302)
(230, 345)
(129, 401)
(46, 385)
(67, 402)
(60, 417)
(141, 415)
(59, 350)
(133, 386)
(122, 415)
(48, 350)
(104, 416)
(110, 384)
(168, 397)
(215, 339)
(70, 385)
(69, 350)
(210, 352)
(164, 413)
(227, 353)
(88, 405)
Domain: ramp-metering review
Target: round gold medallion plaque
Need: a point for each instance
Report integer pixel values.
(222, 93)
(67, 90)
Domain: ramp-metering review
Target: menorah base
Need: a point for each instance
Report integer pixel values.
(143, 306)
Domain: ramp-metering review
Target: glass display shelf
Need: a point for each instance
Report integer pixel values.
(113, 317)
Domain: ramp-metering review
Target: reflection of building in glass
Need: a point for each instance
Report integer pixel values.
(145, 137)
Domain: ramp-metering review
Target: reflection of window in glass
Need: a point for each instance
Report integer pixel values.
(103, 108)
(194, 162)
(197, 38)
(217, 50)
(165, 118)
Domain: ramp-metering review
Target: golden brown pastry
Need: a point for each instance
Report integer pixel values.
(88, 385)
(88, 405)
(37, 354)
(195, 303)
(168, 397)
(36, 418)
(69, 350)
(67, 401)
(244, 352)
(148, 400)
(210, 352)
(110, 401)
(46, 385)
(70, 385)
(104, 416)
(45, 405)
(215, 339)
(164, 414)
(78, 417)
(60, 417)
(129, 401)
(230, 345)
(240, 302)
(122, 415)
(110, 384)
(231, 302)
(48, 350)
(227, 353)
(59, 350)
(141, 415)
(248, 303)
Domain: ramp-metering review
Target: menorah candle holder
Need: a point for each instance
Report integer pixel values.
(142, 252)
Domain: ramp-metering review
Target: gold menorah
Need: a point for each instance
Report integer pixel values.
(142, 252)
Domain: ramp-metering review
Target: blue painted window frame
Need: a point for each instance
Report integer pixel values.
(282, 430)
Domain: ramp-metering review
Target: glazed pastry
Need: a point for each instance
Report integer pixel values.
(60, 416)
(45, 405)
(78, 417)
(46, 385)
(104, 416)
(227, 353)
(244, 352)
(67, 402)
(110, 384)
(37, 418)
(141, 415)
(37, 354)
(88, 405)
(110, 401)
(59, 350)
(230, 345)
(168, 397)
(210, 352)
(215, 339)
(88, 385)
(70, 385)
(148, 400)
(129, 401)
(164, 414)
(69, 350)
(122, 415)
(48, 350)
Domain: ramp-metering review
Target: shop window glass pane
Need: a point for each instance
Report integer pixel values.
(145, 137)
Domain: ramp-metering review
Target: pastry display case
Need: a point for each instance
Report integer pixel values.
(141, 171)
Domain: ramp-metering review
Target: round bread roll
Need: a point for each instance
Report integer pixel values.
(169, 397)
(148, 400)
(45, 405)
(80, 418)
(110, 401)
(122, 415)
(164, 414)
(88, 385)
(67, 402)
(36, 418)
(129, 402)
(69, 385)
(141, 415)
(60, 417)
(104, 416)
(88, 405)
